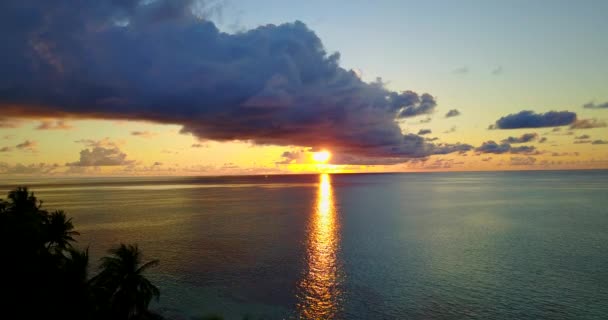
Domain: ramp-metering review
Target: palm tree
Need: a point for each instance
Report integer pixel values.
(60, 231)
(123, 284)
(76, 285)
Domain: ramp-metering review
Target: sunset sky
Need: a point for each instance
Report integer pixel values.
(254, 87)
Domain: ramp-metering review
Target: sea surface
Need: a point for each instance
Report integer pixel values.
(492, 245)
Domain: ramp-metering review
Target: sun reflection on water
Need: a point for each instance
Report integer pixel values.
(319, 292)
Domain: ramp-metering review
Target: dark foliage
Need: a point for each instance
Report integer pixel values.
(44, 277)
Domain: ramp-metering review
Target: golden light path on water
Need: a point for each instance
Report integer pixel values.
(319, 292)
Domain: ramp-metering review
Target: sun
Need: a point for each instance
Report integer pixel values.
(321, 156)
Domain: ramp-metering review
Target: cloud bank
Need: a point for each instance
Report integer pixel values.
(495, 148)
(160, 61)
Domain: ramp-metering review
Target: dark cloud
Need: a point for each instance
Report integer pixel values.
(584, 136)
(424, 131)
(53, 125)
(411, 105)
(542, 140)
(526, 137)
(426, 120)
(599, 142)
(592, 105)
(588, 124)
(158, 61)
(582, 141)
(6, 149)
(157, 163)
(100, 156)
(452, 113)
(486, 159)
(199, 145)
(530, 119)
(493, 147)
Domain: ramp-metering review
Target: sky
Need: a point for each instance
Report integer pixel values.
(186, 87)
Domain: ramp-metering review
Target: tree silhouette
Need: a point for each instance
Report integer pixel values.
(44, 276)
(60, 231)
(123, 285)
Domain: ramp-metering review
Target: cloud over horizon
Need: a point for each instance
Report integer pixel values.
(100, 156)
(491, 146)
(160, 61)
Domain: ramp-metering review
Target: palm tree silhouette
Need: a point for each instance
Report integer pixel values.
(74, 286)
(123, 284)
(21, 200)
(60, 231)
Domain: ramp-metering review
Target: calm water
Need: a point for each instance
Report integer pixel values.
(518, 245)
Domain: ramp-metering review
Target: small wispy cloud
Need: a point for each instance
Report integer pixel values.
(27, 145)
(54, 125)
(526, 137)
(522, 161)
(105, 143)
(143, 134)
(461, 70)
(9, 123)
(588, 124)
(452, 129)
(452, 113)
(592, 105)
(497, 71)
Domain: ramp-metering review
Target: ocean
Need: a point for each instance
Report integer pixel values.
(482, 245)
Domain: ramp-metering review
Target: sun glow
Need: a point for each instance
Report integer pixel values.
(321, 156)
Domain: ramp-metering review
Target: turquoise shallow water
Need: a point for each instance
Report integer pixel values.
(508, 245)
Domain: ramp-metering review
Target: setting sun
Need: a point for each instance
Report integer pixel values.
(321, 156)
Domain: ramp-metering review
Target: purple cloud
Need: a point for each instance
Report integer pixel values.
(158, 61)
